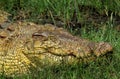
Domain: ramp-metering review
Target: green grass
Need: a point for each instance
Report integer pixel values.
(64, 9)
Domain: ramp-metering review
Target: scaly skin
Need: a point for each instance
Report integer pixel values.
(25, 45)
(3, 16)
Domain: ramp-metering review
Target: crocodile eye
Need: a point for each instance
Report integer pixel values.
(42, 34)
(36, 34)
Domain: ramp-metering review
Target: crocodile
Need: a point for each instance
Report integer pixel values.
(25, 45)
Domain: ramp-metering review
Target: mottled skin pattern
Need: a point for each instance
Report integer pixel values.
(24, 45)
(3, 16)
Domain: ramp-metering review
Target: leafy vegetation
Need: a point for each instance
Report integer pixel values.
(74, 15)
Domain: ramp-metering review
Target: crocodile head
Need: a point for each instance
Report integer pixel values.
(59, 43)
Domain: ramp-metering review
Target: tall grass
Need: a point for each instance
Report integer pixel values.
(63, 9)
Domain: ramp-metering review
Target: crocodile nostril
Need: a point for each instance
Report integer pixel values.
(43, 34)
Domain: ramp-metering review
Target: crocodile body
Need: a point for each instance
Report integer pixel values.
(24, 45)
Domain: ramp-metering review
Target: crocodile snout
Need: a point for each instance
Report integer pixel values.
(102, 48)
